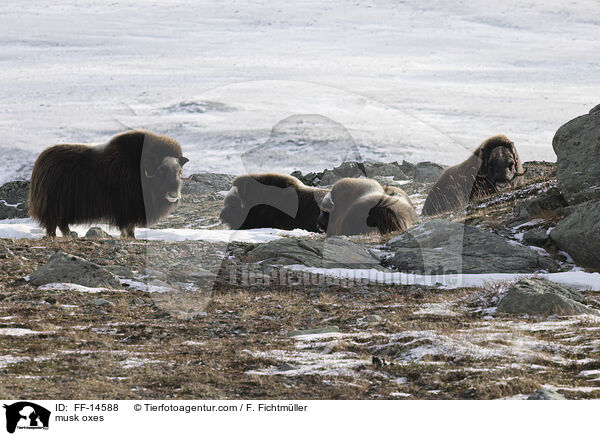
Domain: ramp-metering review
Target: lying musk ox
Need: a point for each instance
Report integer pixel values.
(271, 200)
(494, 166)
(133, 180)
(360, 206)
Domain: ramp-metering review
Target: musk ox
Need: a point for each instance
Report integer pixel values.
(133, 180)
(494, 166)
(271, 200)
(360, 206)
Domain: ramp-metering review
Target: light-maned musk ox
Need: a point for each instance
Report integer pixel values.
(271, 200)
(494, 166)
(361, 206)
(133, 180)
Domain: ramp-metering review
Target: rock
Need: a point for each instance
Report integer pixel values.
(332, 329)
(577, 147)
(137, 301)
(427, 172)
(97, 233)
(328, 253)
(206, 183)
(552, 200)
(286, 367)
(67, 268)
(443, 247)
(14, 200)
(151, 273)
(541, 297)
(373, 318)
(536, 237)
(101, 302)
(579, 234)
(545, 394)
(377, 170)
(120, 271)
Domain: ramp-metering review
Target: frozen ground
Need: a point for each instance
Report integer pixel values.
(386, 80)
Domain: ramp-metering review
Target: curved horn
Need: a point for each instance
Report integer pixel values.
(187, 178)
(148, 176)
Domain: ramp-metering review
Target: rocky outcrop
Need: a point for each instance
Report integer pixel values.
(579, 234)
(206, 183)
(67, 268)
(545, 394)
(443, 247)
(376, 170)
(540, 297)
(577, 147)
(13, 200)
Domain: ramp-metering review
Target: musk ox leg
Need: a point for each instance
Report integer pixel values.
(51, 231)
(128, 232)
(66, 231)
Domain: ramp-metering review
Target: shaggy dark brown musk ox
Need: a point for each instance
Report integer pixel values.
(271, 200)
(133, 180)
(494, 166)
(361, 206)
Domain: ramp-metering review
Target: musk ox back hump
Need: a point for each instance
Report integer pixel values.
(120, 183)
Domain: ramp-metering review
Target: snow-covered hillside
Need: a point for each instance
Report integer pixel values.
(385, 80)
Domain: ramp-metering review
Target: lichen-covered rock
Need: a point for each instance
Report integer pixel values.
(14, 200)
(67, 268)
(579, 234)
(444, 247)
(97, 233)
(577, 147)
(540, 297)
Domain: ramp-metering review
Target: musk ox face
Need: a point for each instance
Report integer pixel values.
(165, 179)
(501, 168)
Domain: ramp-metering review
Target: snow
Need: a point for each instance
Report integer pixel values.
(26, 228)
(19, 332)
(72, 287)
(578, 279)
(386, 80)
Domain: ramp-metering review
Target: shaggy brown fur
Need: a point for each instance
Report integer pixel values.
(272, 200)
(132, 180)
(494, 166)
(360, 206)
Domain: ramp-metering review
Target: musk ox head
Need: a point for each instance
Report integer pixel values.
(161, 168)
(501, 166)
(165, 179)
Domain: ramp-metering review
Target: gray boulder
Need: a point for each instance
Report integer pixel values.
(14, 200)
(536, 237)
(579, 234)
(328, 253)
(97, 233)
(577, 147)
(67, 268)
(552, 200)
(206, 183)
(545, 394)
(443, 247)
(540, 297)
(428, 172)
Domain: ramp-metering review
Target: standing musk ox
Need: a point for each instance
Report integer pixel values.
(271, 200)
(361, 206)
(133, 180)
(494, 166)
